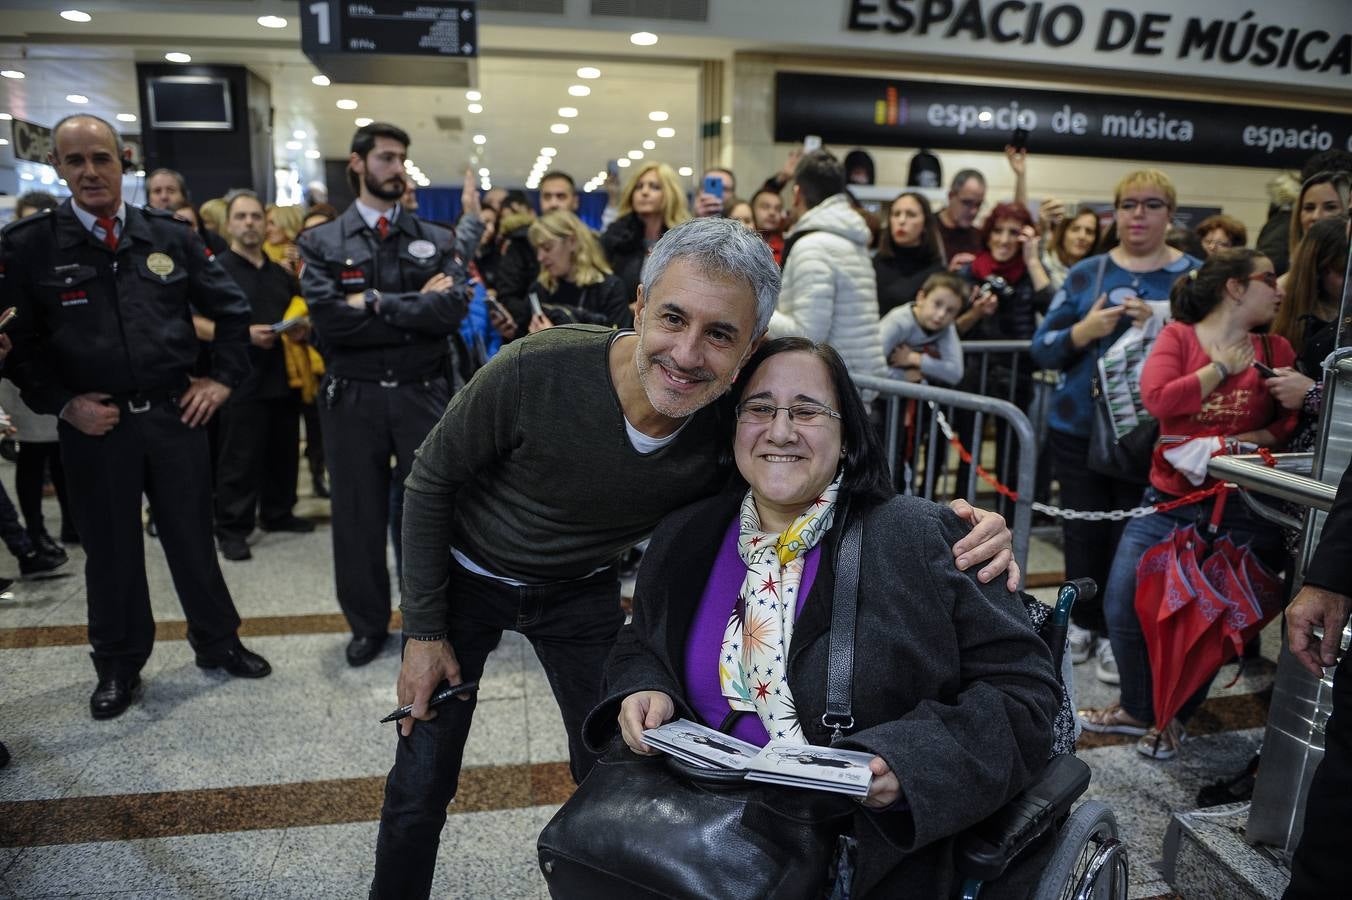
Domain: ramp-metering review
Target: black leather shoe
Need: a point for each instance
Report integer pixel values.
(361, 650)
(293, 524)
(113, 695)
(49, 547)
(39, 565)
(240, 662)
(235, 549)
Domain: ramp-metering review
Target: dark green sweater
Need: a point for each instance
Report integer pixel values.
(530, 473)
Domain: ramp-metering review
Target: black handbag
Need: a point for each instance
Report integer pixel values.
(1126, 458)
(654, 827)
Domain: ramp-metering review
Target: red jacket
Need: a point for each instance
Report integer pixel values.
(1173, 394)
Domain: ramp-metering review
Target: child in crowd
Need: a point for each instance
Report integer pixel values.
(919, 339)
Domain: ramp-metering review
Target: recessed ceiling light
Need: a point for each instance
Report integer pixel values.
(5, 117)
(579, 90)
(76, 98)
(408, 164)
(320, 80)
(657, 116)
(624, 162)
(140, 173)
(480, 139)
(548, 151)
(75, 15)
(483, 173)
(726, 120)
(272, 21)
(298, 134)
(685, 171)
(312, 154)
(346, 103)
(4, 142)
(589, 72)
(473, 96)
(362, 121)
(665, 132)
(559, 128)
(643, 38)
(176, 56)
(475, 107)
(635, 154)
(12, 73)
(293, 145)
(26, 176)
(126, 117)
(568, 112)
(650, 145)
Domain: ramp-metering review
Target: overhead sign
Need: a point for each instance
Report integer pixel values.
(373, 42)
(899, 113)
(30, 142)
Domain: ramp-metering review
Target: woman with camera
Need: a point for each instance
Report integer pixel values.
(1102, 297)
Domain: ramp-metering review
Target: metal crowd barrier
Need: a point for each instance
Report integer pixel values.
(1020, 428)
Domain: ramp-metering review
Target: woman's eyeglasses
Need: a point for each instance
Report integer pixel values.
(1154, 204)
(1214, 245)
(758, 412)
(1268, 278)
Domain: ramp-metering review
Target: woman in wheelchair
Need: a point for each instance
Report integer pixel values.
(954, 693)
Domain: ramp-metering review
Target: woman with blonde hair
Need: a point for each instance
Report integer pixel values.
(284, 223)
(212, 214)
(575, 282)
(652, 202)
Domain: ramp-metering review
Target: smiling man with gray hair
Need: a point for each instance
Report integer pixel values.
(561, 453)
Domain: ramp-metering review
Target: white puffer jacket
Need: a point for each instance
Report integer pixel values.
(828, 292)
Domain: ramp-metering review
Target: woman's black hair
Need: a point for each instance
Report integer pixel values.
(867, 478)
(1198, 292)
(929, 231)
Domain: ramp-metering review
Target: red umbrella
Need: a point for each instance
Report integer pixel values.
(1263, 588)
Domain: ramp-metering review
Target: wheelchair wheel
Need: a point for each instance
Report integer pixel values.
(1090, 861)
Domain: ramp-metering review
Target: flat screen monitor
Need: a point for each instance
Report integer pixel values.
(190, 102)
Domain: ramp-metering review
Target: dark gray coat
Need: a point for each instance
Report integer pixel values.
(952, 687)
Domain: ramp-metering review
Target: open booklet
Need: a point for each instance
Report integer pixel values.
(778, 762)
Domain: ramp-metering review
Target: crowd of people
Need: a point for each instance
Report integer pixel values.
(438, 370)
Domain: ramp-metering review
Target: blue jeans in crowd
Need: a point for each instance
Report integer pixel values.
(572, 626)
(1119, 600)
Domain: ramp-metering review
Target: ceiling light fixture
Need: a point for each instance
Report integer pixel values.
(480, 139)
(624, 162)
(298, 134)
(643, 39)
(26, 176)
(559, 128)
(657, 116)
(5, 117)
(362, 121)
(312, 154)
(589, 72)
(272, 21)
(635, 154)
(12, 73)
(483, 173)
(75, 15)
(475, 107)
(568, 112)
(473, 96)
(650, 145)
(293, 145)
(126, 117)
(4, 142)
(685, 171)
(76, 98)
(346, 103)
(320, 80)
(579, 90)
(666, 132)
(548, 151)
(176, 56)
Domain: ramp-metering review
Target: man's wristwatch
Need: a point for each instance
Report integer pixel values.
(373, 301)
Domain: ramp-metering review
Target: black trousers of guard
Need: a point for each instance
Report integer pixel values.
(364, 427)
(258, 464)
(154, 453)
(1321, 866)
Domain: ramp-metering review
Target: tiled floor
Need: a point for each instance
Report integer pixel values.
(307, 741)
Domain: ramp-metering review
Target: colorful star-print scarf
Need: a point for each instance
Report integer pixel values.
(755, 652)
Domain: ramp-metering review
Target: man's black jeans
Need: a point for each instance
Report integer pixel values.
(571, 625)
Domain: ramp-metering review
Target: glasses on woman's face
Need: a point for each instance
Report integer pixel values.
(760, 412)
(1214, 244)
(1154, 204)
(1268, 278)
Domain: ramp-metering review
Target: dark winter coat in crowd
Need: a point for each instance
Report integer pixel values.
(594, 304)
(517, 269)
(625, 251)
(901, 275)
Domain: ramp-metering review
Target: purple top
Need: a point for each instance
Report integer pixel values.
(705, 640)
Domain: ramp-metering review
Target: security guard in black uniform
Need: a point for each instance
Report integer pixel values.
(104, 339)
(385, 291)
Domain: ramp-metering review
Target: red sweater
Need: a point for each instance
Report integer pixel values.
(1173, 394)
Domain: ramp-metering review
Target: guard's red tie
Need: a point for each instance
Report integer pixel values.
(109, 226)
(383, 226)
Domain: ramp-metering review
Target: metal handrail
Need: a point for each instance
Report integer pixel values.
(1018, 423)
(1251, 472)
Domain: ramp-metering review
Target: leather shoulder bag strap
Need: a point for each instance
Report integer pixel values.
(839, 715)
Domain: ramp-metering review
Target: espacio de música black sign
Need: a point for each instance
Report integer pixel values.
(906, 113)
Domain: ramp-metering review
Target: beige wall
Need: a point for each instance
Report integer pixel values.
(754, 154)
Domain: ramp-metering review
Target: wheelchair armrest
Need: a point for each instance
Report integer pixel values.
(986, 849)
